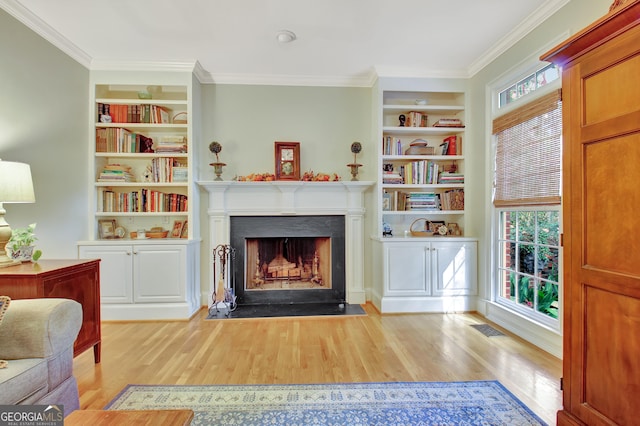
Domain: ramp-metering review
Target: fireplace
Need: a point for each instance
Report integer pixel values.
(288, 259)
(230, 201)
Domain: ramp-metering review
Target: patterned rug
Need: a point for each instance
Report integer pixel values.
(405, 403)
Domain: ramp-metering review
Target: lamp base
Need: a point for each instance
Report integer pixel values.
(5, 262)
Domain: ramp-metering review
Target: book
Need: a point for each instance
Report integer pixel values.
(448, 122)
(453, 145)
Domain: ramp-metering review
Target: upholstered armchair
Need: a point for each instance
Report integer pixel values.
(36, 341)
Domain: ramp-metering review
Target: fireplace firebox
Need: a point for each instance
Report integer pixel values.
(288, 259)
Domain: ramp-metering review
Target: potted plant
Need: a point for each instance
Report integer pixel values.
(21, 244)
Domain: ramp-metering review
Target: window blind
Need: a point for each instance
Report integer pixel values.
(528, 163)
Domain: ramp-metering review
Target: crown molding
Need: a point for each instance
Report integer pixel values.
(393, 72)
(532, 21)
(43, 29)
(127, 65)
(293, 80)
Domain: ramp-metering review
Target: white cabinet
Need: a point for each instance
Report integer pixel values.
(423, 275)
(146, 280)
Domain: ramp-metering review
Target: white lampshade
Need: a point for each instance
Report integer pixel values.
(16, 185)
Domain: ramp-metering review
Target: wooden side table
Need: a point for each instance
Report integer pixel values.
(129, 417)
(69, 279)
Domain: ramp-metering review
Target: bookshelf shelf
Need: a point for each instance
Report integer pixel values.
(142, 184)
(435, 131)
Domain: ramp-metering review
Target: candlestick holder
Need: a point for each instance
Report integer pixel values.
(217, 169)
(215, 147)
(356, 147)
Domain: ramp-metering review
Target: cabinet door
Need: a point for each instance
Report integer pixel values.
(454, 266)
(408, 269)
(159, 273)
(115, 271)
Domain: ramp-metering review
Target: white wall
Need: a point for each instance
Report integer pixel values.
(570, 19)
(43, 121)
(247, 120)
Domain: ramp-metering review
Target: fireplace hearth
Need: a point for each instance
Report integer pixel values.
(288, 259)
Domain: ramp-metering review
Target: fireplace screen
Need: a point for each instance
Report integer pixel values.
(288, 263)
(300, 258)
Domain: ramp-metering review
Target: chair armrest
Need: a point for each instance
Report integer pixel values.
(39, 328)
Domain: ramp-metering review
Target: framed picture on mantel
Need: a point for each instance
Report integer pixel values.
(287, 156)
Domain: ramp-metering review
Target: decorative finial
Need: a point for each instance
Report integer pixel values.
(215, 147)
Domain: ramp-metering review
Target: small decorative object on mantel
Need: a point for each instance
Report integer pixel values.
(256, 177)
(287, 156)
(310, 176)
(356, 147)
(215, 147)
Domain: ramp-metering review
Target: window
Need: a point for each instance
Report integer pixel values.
(526, 197)
(528, 267)
(534, 81)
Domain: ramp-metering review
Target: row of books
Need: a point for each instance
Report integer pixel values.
(421, 173)
(118, 139)
(402, 201)
(143, 200)
(451, 145)
(423, 201)
(415, 119)
(137, 113)
(452, 199)
(167, 169)
(391, 146)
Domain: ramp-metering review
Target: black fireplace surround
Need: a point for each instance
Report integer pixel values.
(247, 227)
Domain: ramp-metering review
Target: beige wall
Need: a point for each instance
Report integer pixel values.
(43, 121)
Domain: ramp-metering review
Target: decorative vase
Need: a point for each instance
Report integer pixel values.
(23, 253)
(217, 169)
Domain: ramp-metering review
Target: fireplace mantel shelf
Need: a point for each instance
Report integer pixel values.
(285, 197)
(284, 186)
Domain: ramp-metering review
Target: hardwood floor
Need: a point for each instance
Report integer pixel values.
(366, 348)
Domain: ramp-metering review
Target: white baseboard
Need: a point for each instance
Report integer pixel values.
(146, 311)
(546, 339)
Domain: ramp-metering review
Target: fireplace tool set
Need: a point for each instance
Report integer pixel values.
(224, 291)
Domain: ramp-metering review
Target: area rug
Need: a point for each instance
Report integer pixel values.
(396, 403)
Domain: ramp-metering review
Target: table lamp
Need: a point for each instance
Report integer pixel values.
(16, 186)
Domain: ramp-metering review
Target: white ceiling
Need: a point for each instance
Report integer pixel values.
(340, 42)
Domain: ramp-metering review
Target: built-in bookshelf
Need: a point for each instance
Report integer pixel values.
(142, 195)
(141, 155)
(422, 160)
(424, 260)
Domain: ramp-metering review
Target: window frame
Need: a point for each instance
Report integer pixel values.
(494, 291)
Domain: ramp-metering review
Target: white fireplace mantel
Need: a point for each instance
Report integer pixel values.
(231, 198)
